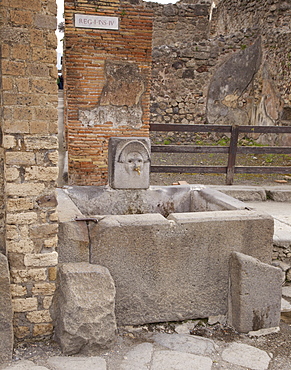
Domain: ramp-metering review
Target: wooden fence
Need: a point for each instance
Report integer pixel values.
(232, 150)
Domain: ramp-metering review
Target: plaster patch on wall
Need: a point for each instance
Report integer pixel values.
(120, 100)
(119, 116)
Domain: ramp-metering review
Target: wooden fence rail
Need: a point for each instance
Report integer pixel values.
(232, 150)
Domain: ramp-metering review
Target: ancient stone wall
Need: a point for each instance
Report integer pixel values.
(271, 20)
(106, 83)
(29, 148)
(228, 65)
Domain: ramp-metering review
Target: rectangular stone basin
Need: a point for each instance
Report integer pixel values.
(170, 265)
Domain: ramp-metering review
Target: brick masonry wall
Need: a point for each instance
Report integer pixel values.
(29, 146)
(107, 78)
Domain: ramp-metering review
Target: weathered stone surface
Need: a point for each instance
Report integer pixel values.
(83, 308)
(139, 357)
(210, 199)
(77, 363)
(229, 82)
(247, 356)
(177, 268)
(245, 193)
(73, 242)
(101, 200)
(255, 294)
(73, 236)
(6, 332)
(174, 360)
(186, 343)
(279, 194)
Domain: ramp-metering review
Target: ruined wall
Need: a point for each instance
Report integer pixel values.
(29, 147)
(233, 67)
(106, 84)
(271, 20)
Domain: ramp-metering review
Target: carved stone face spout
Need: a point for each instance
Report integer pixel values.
(134, 162)
(129, 163)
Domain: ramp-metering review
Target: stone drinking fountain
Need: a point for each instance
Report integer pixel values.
(174, 252)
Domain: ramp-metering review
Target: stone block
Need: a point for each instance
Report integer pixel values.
(44, 289)
(209, 199)
(73, 242)
(6, 332)
(83, 308)
(45, 21)
(41, 259)
(255, 294)
(243, 193)
(24, 304)
(23, 276)
(39, 316)
(177, 268)
(19, 158)
(24, 189)
(279, 194)
(22, 218)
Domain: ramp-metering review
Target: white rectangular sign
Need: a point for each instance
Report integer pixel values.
(96, 21)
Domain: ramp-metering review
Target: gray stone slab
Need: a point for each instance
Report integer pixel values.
(210, 199)
(243, 193)
(281, 212)
(286, 291)
(177, 268)
(186, 343)
(73, 242)
(247, 356)
(285, 306)
(25, 365)
(67, 209)
(255, 294)
(174, 360)
(139, 357)
(279, 194)
(76, 363)
(6, 316)
(83, 308)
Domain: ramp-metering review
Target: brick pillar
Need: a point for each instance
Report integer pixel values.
(29, 127)
(107, 76)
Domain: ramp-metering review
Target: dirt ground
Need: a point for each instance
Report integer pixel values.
(220, 160)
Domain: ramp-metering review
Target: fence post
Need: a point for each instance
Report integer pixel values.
(232, 154)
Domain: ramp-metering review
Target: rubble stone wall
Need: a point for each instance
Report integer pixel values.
(107, 79)
(187, 65)
(29, 156)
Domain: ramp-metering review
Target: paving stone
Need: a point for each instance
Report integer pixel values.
(138, 358)
(286, 291)
(245, 355)
(174, 360)
(186, 343)
(285, 305)
(25, 365)
(76, 363)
